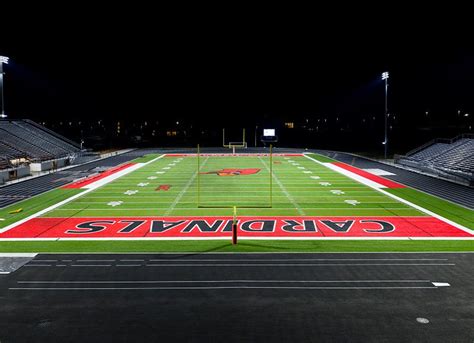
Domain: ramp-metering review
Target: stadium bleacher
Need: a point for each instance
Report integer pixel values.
(26, 139)
(431, 150)
(8, 152)
(448, 157)
(51, 136)
(457, 193)
(458, 156)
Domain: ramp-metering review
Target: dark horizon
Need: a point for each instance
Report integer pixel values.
(206, 78)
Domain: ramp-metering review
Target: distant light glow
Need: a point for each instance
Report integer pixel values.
(385, 75)
(4, 59)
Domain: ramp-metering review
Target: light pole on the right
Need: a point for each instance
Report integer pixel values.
(385, 143)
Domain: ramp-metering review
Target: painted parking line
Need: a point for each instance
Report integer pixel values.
(245, 284)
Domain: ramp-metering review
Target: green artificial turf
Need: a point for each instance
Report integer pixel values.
(294, 191)
(448, 210)
(34, 204)
(203, 246)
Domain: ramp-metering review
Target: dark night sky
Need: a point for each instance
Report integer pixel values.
(118, 63)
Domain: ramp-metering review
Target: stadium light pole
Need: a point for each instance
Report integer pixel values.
(3, 60)
(385, 77)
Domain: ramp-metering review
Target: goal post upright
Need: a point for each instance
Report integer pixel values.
(234, 226)
(271, 176)
(198, 176)
(231, 144)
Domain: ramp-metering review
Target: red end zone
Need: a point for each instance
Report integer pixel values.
(221, 227)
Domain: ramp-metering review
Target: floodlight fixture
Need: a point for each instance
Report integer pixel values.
(3, 60)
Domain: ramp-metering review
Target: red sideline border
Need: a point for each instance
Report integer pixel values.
(234, 155)
(97, 177)
(375, 178)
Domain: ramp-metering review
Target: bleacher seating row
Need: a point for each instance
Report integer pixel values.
(455, 157)
(24, 139)
(4, 163)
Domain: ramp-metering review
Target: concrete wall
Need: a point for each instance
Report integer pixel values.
(48, 165)
(13, 174)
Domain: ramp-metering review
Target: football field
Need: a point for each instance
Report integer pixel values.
(279, 196)
(301, 187)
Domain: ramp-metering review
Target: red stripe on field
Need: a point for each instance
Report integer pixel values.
(97, 177)
(220, 227)
(230, 155)
(380, 180)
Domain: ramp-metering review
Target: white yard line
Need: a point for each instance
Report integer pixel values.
(378, 188)
(283, 189)
(184, 190)
(97, 184)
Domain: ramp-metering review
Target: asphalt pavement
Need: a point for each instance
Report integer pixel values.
(366, 297)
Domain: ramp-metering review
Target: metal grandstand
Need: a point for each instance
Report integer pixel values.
(26, 141)
(449, 158)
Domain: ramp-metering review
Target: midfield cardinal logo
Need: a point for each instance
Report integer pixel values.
(234, 172)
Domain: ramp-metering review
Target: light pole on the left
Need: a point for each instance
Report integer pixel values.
(3, 60)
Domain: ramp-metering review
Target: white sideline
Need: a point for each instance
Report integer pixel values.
(93, 186)
(354, 176)
(112, 177)
(379, 187)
